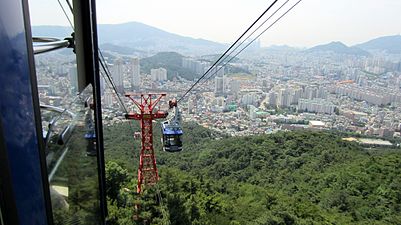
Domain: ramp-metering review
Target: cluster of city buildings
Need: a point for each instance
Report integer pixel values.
(283, 92)
(288, 97)
(127, 77)
(196, 66)
(376, 95)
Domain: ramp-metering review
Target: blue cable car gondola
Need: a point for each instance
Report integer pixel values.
(90, 130)
(172, 131)
(90, 134)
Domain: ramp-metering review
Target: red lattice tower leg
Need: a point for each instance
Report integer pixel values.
(147, 171)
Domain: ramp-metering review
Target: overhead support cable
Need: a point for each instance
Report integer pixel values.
(233, 57)
(218, 60)
(102, 58)
(243, 41)
(65, 13)
(70, 6)
(121, 103)
(106, 70)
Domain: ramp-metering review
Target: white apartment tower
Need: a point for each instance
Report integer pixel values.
(219, 87)
(158, 74)
(73, 79)
(273, 99)
(108, 98)
(284, 98)
(235, 86)
(117, 75)
(135, 73)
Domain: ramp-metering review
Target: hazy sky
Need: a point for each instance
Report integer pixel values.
(311, 22)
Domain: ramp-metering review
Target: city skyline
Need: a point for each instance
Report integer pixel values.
(310, 23)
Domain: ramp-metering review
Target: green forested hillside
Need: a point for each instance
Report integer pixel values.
(171, 61)
(284, 178)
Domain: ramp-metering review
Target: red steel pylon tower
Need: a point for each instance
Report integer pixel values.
(147, 171)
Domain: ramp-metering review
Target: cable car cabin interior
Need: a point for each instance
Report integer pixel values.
(171, 138)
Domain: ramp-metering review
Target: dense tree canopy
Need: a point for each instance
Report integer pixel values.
(283, 178)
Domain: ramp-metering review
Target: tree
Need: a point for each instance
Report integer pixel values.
(116, 177)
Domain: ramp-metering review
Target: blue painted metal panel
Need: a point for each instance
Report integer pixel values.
(18, 117)
(90, 135)
(171, 130)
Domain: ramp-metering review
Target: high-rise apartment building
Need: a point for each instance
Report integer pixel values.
(108, 98)
(273, 99)
(73, 79)
(316, 105)
(158, 74)
(117, 75)
(135, 73)
(284, 98)
(235, 86)
(219, 87)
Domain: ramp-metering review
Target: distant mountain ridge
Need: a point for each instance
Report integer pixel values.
(51, 31)
(389, 44)
(172, 61)
(339, 48)
(141, 37)
(282, 48)
(120, 49)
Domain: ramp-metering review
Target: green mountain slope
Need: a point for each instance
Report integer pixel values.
(283, 178)
(338, 48)
(390, 44)
(171, 61)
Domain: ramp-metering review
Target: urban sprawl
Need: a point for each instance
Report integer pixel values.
(282, 91)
